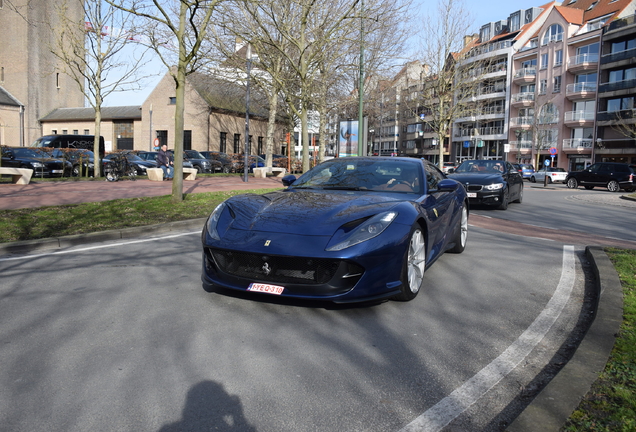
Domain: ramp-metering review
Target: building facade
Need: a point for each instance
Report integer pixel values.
(31, 82)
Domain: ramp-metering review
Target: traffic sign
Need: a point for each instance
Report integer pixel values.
(546, 162)
(553, 150)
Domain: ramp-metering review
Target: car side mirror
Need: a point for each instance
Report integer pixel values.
(451, 170)
(447, 185)
(289, 180)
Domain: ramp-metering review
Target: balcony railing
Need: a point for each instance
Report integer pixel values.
(624, 22)
(526, 72)
(577, 143)
(484, 49)
(522, 121)
(491, 130)
(582, 59)
(571, 116)
(618, 56)
(477, 72)
(523, 97)
(617, 85)
(582, 87)
(518, 145)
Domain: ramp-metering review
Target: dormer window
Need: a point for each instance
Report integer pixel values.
(592, 6)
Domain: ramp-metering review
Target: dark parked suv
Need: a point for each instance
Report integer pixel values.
(612, 175)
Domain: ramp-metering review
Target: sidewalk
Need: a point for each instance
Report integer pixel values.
(49, 193)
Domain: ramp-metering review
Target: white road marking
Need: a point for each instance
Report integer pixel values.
(449, 408)
(25, 257)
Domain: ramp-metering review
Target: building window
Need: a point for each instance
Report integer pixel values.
(543, 86)
(172, 101)
(544, 61)
(162, 136)
(237, 143)
(620, 104)
(260, 146)
(558, 57)
(87, 132)
(57, 80)
(54, 131)
(587, 53)
(623, 46)
(64, 131)
(622, 75)
(223, 142)
(2, 72)
(557, 84)
(553, 34)
(515, 21)
(484, 34)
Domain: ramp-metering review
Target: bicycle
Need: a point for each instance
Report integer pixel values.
(119, 167)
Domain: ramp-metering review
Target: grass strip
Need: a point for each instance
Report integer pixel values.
(610, 406)
(57, 221)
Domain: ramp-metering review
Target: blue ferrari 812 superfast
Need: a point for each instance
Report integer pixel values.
(351, 229)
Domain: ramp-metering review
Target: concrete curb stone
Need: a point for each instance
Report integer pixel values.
(555, 403)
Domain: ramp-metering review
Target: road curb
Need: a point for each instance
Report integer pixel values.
(551, 408)
(30, 246)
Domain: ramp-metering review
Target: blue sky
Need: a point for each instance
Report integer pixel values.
(483, 12)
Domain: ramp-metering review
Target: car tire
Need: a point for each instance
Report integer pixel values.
(572, 183)
(111, 176)
(75, 172)
(462, 232)
(520, 196)
(413, 265)
(613, 186)
(225, 170)
(549, 180)
(533, 180)
(504, 200)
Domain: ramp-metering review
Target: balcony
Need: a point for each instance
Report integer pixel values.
(578, 145)
(522, 122)
(579, 118)
(608, 118)
(618, 56)
(525, 76)
(583, 62)
(617, 85)
(522, 99)
(582, 90)
(521, 146)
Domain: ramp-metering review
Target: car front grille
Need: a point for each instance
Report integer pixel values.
(281, 269)
(473, 188)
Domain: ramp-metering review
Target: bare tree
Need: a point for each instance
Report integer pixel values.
(98, 54)
(176, 30)
(446, 92)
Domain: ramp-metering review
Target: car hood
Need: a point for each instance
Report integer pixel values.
(477, 179)
(306, 212)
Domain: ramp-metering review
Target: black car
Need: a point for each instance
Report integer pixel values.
(612, 175)
(41, 162)
(139, 164)
(225, 161)
(83, 161)
(490, 182)
(152, 157)
(200, 163)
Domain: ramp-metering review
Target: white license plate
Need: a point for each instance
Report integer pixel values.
(57, 171)
(265, 288)
(472, 194)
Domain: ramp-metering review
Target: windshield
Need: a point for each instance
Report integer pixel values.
(30, 152)
(193, 154)
(365, 175)
(42, 142)
(481, 166)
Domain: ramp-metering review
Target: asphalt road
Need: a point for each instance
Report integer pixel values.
(120, 336)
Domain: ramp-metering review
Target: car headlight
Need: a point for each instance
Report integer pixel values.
(495, 186)
(213, 221)
(37, 164)
(369, 229)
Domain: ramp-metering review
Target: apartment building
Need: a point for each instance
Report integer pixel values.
(482, 131)
(554, 92)
(615, 119)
